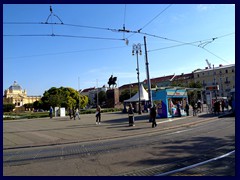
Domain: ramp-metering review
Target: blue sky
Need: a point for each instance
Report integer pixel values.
(38, 62)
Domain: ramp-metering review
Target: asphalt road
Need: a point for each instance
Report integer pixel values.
(63, 147)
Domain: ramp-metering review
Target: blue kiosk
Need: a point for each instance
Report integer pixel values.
(166, 101)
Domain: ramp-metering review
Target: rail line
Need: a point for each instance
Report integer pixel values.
(142, 133)
(26, 155)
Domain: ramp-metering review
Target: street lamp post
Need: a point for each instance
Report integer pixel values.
(137, 49)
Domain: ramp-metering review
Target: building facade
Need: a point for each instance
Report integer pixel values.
(223, 76)
(16, 95)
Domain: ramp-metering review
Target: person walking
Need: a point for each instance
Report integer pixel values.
(194, 109)
(153, 115)
(50, 112)
(223, 105)
(77, 113)
(70, 113)
(187, 109)
(98, 115)
(199, 106)
(74, 114)
(179, 109)
(131, 115)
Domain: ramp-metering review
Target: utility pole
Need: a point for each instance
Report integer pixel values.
(137, 49)
(79, 95)
(147, 71)
(97, 92)
(148, 77)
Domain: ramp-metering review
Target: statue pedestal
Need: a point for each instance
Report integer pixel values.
(112, 97)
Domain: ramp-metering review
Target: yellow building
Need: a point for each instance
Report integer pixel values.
(16, 95)
(223, 76)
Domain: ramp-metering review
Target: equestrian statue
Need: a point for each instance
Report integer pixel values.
(112, 81)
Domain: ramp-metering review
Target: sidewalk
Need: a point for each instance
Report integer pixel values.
(62, 130)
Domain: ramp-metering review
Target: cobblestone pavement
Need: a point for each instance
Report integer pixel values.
(107, 148)
(62, 130)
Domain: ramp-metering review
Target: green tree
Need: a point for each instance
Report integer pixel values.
(38, 105)
(195, 84)
(63, 97)
(125, 94)
(28, 106)
(8, 107)
(193, 97)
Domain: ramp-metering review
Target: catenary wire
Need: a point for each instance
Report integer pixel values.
(69, 52)
(58, 35)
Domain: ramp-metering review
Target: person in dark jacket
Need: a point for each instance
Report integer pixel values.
(187, 109)
(131, 115)
(153, 115)
(51, 112)
(98, 115)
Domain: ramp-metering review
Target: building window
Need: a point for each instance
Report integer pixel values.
(226, 71)
(198, 75)
(232, 70)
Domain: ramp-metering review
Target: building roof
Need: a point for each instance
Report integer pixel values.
(215, 68)
(15, 86)
(160, 79)
(88, 89)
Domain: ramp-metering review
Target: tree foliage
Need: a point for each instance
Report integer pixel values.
(195, 84)
(125, 94)
(8, 107)
(63, 97)
(102, 97)
(28, 106)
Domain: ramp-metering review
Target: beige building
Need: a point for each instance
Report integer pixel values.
(16, 95)
(223, 76)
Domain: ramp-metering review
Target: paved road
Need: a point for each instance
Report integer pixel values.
(110, 148)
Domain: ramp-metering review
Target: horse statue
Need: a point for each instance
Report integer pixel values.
(112, 81)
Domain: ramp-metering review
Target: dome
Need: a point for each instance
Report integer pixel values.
(15, 86)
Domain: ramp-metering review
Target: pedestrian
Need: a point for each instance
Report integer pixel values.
(199, 106)
(77, 113)
(223, 105)
(215, 107)
(70, 113)
(187, 108)
(179, 109)
(218, 107)
(153, 115)
(131, 115)
(98, 115)
(194, 109)
(50, 112)
(74, 114)
(226, 104)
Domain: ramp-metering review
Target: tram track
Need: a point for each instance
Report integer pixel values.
(28, 155)
(189, 166)
(141, 133)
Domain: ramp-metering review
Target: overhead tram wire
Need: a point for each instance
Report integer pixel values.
(139, 30)
(155, 17)
(57, 35)
(69, 52)
(63, 24)
(124, 20)
(202, 42)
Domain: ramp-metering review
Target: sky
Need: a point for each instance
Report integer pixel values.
(87, 48)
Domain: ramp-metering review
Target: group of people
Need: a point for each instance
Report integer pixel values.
(217, 105)
(153, 114)
(73, 113)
